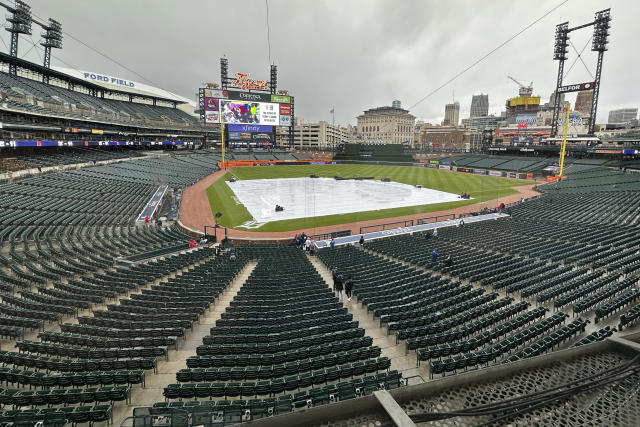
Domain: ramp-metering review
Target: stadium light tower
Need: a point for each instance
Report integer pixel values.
(560, 51)
(18, 23)
(224, 73)
(273, 83)
(52, 39)
(601, 25)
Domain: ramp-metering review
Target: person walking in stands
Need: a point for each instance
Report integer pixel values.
(296, 240)
(339, 287)
(332, 244)
(232, 257)
(334, 275)
(435, 232)
(461, 223)
(361, 242)
(434, 256)
(348, 287)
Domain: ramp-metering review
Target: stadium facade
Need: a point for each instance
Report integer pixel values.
(88, 109)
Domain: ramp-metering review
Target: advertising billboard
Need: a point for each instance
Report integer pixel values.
(248, 96)
(285, 109)
(211, 110)
(285, 120)
(249, 143)
(281, 99)
(215, 93)
(577, 87)
(265, 137)
(241, 112)
(250, 128)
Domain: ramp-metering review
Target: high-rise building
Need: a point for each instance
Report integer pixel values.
(451, 114)
(622, 115)
(479, 105)
(583, 102)
(386, 125)
(552, 99)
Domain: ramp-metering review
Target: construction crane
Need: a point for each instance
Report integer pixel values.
(524, 90)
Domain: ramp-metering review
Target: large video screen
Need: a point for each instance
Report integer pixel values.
(242, 112)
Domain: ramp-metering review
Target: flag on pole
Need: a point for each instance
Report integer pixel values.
(331, 111)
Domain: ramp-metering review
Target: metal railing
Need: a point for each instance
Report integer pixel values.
(437, 218)
(386, 225)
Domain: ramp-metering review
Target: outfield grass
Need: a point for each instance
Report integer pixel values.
(481, 188)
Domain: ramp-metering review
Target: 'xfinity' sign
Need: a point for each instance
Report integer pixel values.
(107, 79)
(249, 128)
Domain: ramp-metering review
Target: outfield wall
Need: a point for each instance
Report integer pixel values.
(272, 162)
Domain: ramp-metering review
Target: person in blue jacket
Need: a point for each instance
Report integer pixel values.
(434, 255)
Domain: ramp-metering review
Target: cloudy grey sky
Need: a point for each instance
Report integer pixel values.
(351, 54)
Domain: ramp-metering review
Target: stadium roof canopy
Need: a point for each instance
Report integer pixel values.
(5, 58)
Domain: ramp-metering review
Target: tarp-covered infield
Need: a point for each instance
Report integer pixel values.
(312, 197)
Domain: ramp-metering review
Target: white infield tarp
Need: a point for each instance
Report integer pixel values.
(309, 197)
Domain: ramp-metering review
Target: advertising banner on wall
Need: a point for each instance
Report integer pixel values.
(512, 175)
(521, 139)
(281, 99)
(495, 173)
(248, 96)
(479, 172)
(249, 143)
(285, 120)
(250, 128)
(445, 167)
(259, 113)
(215, 93)
(265, 137)
(211, 110)
(285, 109)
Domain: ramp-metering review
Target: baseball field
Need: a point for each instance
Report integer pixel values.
(235, 214)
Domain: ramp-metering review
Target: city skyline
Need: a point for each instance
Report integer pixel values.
(411, 52)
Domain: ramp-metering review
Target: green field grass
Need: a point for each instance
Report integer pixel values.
(481, 188)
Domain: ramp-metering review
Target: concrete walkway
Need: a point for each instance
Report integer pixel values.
(178, 360)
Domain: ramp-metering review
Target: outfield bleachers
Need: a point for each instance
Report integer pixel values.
(374, 152)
